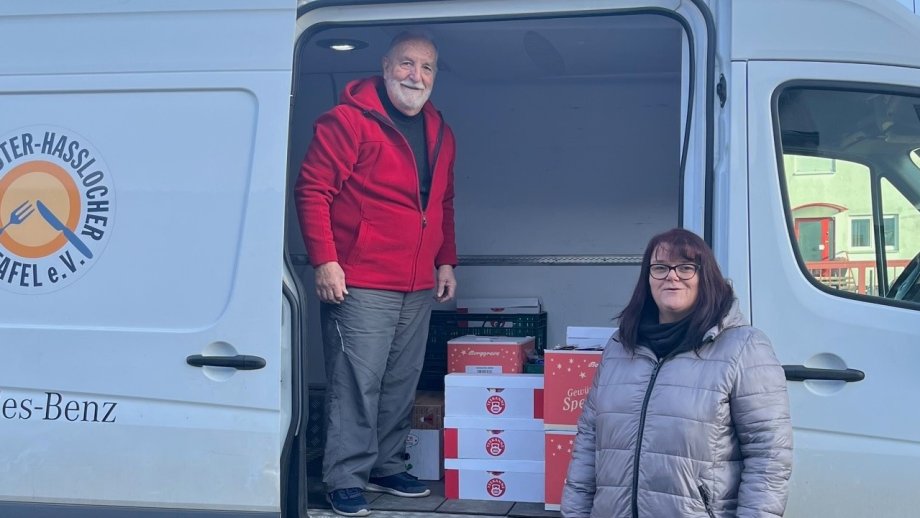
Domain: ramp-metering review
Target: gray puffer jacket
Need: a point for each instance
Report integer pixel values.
(702, 434)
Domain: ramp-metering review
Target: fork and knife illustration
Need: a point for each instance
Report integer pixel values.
(26, 209)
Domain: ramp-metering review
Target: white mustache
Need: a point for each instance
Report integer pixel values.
(410, 84)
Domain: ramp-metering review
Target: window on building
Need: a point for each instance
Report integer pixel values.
(860, 233)
(891, 232)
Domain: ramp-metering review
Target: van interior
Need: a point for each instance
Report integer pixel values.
(569, 144)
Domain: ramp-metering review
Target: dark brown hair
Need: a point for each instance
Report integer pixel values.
(714, 296)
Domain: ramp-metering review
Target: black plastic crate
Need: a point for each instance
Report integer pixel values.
(447, 325)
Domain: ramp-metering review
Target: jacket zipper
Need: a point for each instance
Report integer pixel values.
(434, 160)
(432, 166)
(648, 394)
(704, 492)
(418, 187)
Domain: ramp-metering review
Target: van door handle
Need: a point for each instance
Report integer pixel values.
(243, 362)
(802, 373)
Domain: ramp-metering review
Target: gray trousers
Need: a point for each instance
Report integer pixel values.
(374, 344)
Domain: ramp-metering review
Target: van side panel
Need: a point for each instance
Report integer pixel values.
(142, 147)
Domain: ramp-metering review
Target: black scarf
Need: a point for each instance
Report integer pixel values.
(662, 339)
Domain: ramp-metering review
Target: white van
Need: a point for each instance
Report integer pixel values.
(157, 319)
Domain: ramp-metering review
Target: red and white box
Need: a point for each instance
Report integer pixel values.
(489, 354)
(488, 438)
(424, 453)
(558, 455)
(507, 480)
(568, 375)
(494, 396)
(519, 305)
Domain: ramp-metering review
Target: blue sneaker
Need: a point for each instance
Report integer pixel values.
(400, 484)
(348, 502)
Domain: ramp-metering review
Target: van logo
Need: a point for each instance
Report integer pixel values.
(57, 204)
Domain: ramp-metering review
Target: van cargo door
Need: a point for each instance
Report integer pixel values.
(142, 181)
(835, 237)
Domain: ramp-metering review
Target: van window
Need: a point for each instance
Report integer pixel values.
(851, 178)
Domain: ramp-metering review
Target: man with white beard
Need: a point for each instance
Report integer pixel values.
(375, 201)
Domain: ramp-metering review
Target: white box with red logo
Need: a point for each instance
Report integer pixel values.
(489, 354)
(489, 438)
(481, 479)
(494, 396)
(424, 453)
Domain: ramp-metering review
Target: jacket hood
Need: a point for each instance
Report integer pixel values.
(362, 94)
(732, 319)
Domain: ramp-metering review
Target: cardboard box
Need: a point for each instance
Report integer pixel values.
(568, 375)
(488, 438)
(489, 354)
(425, 454)
(494, 396)
(428, 411)
(507, 480)
(558, 455)
(588, 337)
(525, 305)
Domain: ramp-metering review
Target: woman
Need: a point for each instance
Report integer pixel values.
(688, 414)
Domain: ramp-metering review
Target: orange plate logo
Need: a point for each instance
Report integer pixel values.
(56, 208)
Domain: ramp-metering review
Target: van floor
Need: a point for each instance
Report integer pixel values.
(433, 505)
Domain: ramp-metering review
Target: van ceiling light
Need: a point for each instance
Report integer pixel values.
(342, 45)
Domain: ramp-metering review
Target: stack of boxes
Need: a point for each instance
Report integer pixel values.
(493, 428)
(476, 339)
(509, 436)
(569, 373)
(492, 437)
(481, 317)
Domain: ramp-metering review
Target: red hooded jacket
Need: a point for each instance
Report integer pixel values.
(358, 195)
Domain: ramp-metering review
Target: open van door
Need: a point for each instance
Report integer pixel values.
(834, 228)
(142, 183)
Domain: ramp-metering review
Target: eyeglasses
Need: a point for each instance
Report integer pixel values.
(684, 271)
